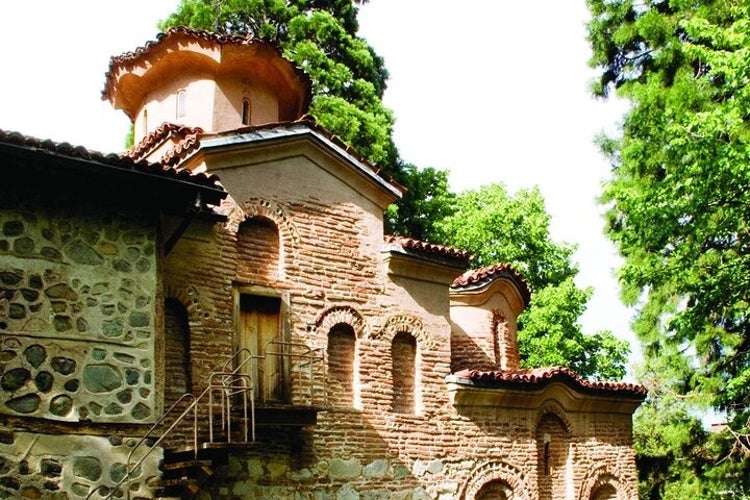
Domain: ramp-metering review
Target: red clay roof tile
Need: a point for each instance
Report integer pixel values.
(429, 248)
(542, 376)
(157, 136)
(64, 149)
(134, 57)
(475, 278)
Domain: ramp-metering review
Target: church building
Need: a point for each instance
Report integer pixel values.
(217, 314)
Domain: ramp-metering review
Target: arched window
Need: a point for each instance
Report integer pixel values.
(181, 104)
(258, 249)
(605, 492)
(176, 352)
(403, 369)
(145, 122)
(494, 490)
(341, 352)
(552, 452)
(246, 111)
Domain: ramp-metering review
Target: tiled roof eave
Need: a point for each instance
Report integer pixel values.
(158, 136)
(83, 160)
(476, 279)
(443, 260)
(422, 249)
(529, 380)
(130, 59)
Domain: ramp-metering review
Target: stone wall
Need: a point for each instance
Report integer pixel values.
(77, 311)
(34, 465)
(363, 455)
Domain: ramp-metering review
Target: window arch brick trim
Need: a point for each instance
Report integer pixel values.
(495, 471)
(340, 315)
(404, 323)
(551, 407)
(602, 475)
(196, 307)
(288, 235)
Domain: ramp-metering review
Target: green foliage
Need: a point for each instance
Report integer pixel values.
(498, 227)
(679, 199)
(676, 457)
(426, 202)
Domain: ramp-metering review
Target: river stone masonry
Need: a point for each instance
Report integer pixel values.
(77, 312)
(68, 467)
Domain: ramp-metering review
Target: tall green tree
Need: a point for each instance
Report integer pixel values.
(496, 226)
(679, 197)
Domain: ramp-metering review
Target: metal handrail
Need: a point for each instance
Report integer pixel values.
(231, 383)
(145, 437)
(228, 388)
(308, 353)
(285, 350)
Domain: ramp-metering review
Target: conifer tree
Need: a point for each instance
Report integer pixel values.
(678, 208)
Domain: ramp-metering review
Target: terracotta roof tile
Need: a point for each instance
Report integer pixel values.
(544, 376)
(157, 136)
(64, 149)
(429, 248)
(475, 278)
(132, 58)
(186, 138)
(180, 150)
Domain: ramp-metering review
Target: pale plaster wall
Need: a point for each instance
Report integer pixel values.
(473, 316)
(228, 104)
(297, 179)
(161, 105)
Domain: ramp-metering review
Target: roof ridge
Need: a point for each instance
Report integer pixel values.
(309, 121)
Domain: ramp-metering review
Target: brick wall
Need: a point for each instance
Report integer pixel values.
(317, 245)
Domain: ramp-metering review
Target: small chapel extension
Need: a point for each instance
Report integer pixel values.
(312, 355)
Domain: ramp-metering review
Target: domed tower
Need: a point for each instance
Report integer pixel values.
(201, 81)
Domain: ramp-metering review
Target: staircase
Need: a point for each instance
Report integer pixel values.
(184, 472)
(224, 418)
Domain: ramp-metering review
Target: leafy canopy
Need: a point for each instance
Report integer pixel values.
(679, 197)
(498, 227)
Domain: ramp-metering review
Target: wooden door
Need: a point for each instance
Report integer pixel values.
(260, 332)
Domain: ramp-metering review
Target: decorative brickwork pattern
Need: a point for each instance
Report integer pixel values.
(491, 472)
